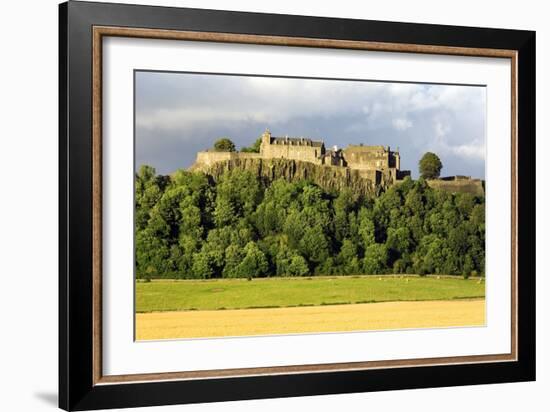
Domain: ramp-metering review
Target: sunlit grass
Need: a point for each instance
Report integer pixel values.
(166, 295)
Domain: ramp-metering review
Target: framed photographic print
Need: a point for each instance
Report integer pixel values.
(256, 205)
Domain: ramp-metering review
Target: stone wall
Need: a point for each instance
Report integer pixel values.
(208, 158)
(292, 151)
(366, 157)
(377, 164)
(472, 186)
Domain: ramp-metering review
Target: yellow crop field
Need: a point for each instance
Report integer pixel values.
(310, 319)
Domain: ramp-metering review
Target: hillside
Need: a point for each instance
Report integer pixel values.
(330, 178)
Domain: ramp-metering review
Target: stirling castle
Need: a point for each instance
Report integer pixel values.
(365, 169)
(377, 164)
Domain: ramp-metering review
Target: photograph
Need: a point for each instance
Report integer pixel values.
(267, 204)
(270, 205)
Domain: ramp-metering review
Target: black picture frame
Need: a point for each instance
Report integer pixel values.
(77, 390)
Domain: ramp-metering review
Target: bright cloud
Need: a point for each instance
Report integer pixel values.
(401, 124)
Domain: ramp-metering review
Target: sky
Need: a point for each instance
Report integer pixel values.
(178, 114)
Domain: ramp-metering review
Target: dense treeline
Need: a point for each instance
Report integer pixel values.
(188, 226)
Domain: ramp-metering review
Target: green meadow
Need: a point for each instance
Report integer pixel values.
(180, 295)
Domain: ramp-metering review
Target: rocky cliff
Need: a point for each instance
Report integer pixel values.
(330, 178)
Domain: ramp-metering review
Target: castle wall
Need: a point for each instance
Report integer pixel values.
(367, 157)
(209, 158)
(295, 152)
(375, 163)
(472, 186)
(372, 175)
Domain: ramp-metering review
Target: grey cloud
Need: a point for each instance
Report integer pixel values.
(178, 114)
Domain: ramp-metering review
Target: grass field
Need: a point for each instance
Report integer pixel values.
(334, 318)
(186, 295)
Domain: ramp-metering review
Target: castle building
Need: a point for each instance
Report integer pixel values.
(378, 158)
(296, 148)
(377, 163)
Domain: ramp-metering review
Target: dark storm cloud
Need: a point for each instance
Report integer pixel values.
(179, 114)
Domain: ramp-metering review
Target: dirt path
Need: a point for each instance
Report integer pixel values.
(335, 318)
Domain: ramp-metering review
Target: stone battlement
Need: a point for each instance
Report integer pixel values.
(208, 158)
(458, 184)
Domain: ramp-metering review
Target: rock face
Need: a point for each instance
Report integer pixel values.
(330, 178)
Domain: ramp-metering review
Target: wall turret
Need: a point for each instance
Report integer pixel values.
(266, 141)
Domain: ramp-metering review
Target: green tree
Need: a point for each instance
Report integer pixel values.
(191, 225)
(254, 263)
(431, 255)
(465, 203)
(477, 217)
(294, 228)
(348, 258)
(342, 206)
(224, 145)
(202, 265)
(414, 202)
(298, 266)
(241, 189)
(375, 259)
(216, 243)
(148, 190)
(152, 255)
(233, 258)
(430, 166)
(183, 257)
(314, 245)
(399, 239)
(366, 229)
(224, 213)
(255, 148)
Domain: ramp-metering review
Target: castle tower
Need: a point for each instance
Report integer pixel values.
(397, 160)
(266, 141)
(266, 137)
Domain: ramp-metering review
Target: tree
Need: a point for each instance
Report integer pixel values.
(242, 189)
(294, 228)
(314, 245)
(399, 241)
(348, 258)
(366, 229)
(224, 145)
(298, 266)
(431, 255)
(192, 225)
(254, 263)
(148, 190)
(202, 265)
(342, 206)
(152, 255)
(233, 258)
(430, 166)
(375, 260)
(224, 213)
(182, 254)
(255, 148)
